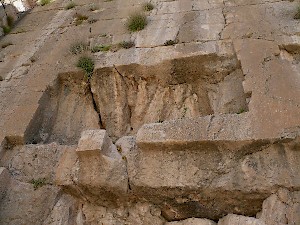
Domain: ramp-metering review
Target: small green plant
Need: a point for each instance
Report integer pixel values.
(100, 48)
(6, 29)
(126, 44)
(44, 2)
(119, 148)
(185, 109)
(148, 6)
(10, 21)
(136, 22)
(242, 110)
(87, 64)
(79, 19)
(78, 48)
(70, 5)
(170, 42)
(297, 16)
(40, 182)
(103, 35)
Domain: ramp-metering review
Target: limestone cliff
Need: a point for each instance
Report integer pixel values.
(190, 116)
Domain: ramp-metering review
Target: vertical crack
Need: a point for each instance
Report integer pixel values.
(96, 108)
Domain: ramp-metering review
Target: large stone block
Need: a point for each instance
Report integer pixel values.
(96, 171)
(96, 143)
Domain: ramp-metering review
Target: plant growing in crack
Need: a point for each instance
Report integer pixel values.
(126, 44)
(87, 64)
(37, 183)
(79, 18)
(100, 48)
(170, 42)
(242, 110)
(78, 48)
(148, 6)
(185, 109)
(44, 2)
(136, 22)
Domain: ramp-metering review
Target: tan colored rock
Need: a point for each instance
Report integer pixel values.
(138, 213)
(232, 219)
(193, 221)
(98, 173)
(33, 161)
(63, 213)
(130, 96)
(23, 205)
(4, 181)
(189, 170)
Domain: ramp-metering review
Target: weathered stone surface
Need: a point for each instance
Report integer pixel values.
(29, 162)
(138, 213)
(193, 221)
(232, 219)
(4, 182)
(23, 205)
(130, 96)
(280, 208)
(98, 173)
(205, 175)
(66, 109)
(63, 213)
(228, 57)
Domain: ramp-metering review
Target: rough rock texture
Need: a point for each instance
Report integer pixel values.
(100, 173)
(130, 96)
(5, 180)
(66, 109)
(213, 118)
(193, 221)
(23, 205)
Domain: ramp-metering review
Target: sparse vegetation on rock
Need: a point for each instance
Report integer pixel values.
(100, 48)
(126, 44)
(6, 29)
(37, 183)
(170, 42)
(87, 64)
(78, 48)
(44, 2)
(148, 6)
(136, 22)
(79, 18)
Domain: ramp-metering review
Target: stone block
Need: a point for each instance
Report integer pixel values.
(95, 143)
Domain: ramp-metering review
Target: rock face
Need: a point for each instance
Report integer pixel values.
(192, 120)
(130, 96)
(65, 110)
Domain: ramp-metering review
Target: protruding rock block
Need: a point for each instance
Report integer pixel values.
(4, 181)
(96, 171)
(210, 166)
(96, 143)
